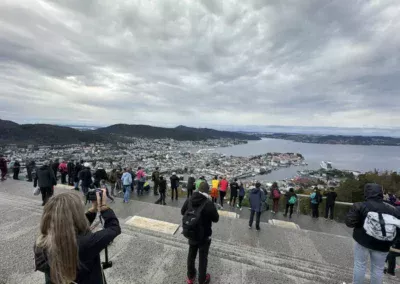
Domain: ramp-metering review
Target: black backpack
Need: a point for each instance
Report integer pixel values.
(192, 226)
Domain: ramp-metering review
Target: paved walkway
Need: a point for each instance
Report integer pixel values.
(238, 255)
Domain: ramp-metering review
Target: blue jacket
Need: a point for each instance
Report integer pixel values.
(126, 179)
(256, 197)
(241, 190)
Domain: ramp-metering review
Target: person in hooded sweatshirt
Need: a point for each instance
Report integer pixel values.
(234, 192)
(208, 215)
(86, 177)
(45, 179)
(174, 186)
(162, 190)
(100, 174)
(365, 244)
(257, 197)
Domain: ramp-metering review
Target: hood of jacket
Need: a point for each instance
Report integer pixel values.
(198, 198)
(255, 190)
(373, 191)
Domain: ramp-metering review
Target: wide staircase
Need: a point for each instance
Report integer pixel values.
(151, 248)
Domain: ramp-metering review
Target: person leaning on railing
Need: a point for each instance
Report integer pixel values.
(67, 241)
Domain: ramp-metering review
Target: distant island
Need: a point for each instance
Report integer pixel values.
(335, 139)
(47, 134)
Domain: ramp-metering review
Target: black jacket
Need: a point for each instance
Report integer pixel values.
(234, 188)
(174, 181)
(77, 169)
(374, 203)
(288, 195)
(162, 187)
(17, 165)
(86, 176)
(55, 166)
(89, 245)
(191, 184)
(208, 215)
(70, 168)
(44, 177)
(100, 174)
(331, 198)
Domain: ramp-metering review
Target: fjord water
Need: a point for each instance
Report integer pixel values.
(344, 157)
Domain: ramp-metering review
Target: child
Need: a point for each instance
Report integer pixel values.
(241, 195)
(104, 185)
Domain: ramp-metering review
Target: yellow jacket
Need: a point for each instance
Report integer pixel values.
(214, 183)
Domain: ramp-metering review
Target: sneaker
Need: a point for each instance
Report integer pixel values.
(258, 229)
(237, 206)
(250, 227)
(208, 279)
(240, 208)
(191, 281)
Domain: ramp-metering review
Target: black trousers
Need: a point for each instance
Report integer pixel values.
(16, 173)
(391, 260)
(70, 179)
(314, 209)
(240, 200)
(174, 189)
(161, 199)
(63, 178)
(189, 192)
(155, 187)
(233, 198)
(29, 171)
(329, 209)
(258, 215)
(46, 192)
(289, 206)
(203, 249)
(221, 197)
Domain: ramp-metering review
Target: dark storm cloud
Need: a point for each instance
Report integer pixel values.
(201, 62)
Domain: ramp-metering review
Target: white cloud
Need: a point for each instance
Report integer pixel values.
(170, 62)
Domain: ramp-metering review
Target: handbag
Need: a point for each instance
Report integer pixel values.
(36, 191)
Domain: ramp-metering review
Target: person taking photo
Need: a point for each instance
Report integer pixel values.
(66, 249)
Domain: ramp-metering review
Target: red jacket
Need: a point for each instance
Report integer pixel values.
(223, 185)
(63, 168)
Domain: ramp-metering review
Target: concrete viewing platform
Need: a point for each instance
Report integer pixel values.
(152, 250)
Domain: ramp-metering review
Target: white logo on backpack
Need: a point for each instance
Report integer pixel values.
(380, 226)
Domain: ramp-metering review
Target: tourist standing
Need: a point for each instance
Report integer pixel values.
(71, 172)
(291, 200)
(174, 186)
(242, 193)
(214, 189)
(99, 175)
(330, 203)
(77, 169)
(275, 196)
(141, 179)
(200, 205)
(3, 168)
(393, 254)
(126, 183)
(45, 179)
(155, 177)
(365, 217)
(55, 166)
(256, 198)
(16, 169)
(316, 199)
(234, 192)
(64, 171)
(162, 190)
(29, 169)
(223, 187)
(86, 178)
(113, 181)
(119, 185)
(191, 185)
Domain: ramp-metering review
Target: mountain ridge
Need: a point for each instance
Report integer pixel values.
(48, 134)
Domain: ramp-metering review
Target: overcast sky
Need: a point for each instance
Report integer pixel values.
(201, 63)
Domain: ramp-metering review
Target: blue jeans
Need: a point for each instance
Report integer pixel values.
(378, 259)
(127, 192)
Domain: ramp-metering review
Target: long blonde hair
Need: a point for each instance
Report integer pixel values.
(63, 218)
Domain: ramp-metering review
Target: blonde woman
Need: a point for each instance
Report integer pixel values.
(66, 250)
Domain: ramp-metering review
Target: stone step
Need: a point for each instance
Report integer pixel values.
(264, 260)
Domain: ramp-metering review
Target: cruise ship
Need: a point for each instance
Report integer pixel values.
(326, 165)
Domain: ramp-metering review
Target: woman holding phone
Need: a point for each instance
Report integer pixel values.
(65, 239)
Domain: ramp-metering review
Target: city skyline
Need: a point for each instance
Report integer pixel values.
(201, 63)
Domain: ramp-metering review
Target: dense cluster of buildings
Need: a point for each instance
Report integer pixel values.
(183, 157)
